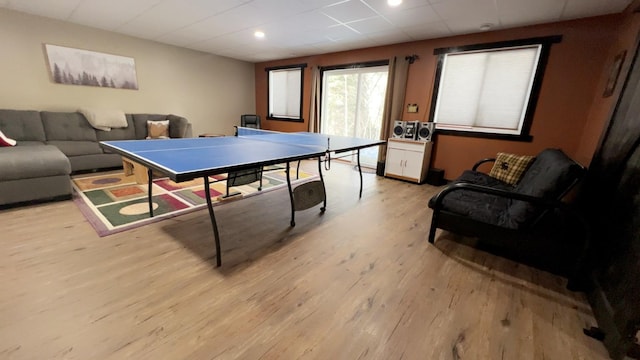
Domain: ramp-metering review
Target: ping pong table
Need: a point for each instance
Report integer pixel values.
(189, 158)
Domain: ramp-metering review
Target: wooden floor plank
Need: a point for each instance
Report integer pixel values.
(357, 282)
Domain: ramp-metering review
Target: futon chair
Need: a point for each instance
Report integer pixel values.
(251, 121)
(527, 217)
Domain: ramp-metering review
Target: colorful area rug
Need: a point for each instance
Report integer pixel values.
(113, 202)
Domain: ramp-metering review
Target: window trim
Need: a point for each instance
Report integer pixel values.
(285, 67)
(545, 50)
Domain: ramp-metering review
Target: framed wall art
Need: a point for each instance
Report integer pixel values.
(89, 68)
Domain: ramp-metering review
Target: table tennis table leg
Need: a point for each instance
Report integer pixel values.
(324, 205)
(360, 171)
(214, 224)
(293, 211)
(150, 191)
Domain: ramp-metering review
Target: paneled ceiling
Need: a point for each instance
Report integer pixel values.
(295, 28)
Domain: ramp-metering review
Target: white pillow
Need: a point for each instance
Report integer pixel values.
(104, 119)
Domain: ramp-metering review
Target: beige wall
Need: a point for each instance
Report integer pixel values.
(211, 91)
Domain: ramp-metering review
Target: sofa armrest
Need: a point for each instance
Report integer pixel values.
(179, 127)
(476, 165)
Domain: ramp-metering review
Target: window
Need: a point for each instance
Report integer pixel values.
(353, 102)
(285, 92)
(489, 90)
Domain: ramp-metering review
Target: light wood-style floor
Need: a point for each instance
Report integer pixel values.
(359, 282)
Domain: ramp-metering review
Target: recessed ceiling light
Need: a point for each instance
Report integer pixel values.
(258, 34)
(394, 2)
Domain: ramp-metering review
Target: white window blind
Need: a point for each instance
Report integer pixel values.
(486, 91)
(284, 93)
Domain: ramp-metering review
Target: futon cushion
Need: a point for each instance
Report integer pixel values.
(477, 206)
(549, 177)
(510, 167)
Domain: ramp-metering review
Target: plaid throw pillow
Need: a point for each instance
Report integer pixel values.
(510, 167)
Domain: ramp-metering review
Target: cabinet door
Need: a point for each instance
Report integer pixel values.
(413, 164)
(395, 161)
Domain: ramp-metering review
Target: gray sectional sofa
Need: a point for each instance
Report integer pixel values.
(53, 145)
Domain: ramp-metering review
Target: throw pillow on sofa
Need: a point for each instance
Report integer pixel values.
(510, 167)
(5, 141)
(158, 129)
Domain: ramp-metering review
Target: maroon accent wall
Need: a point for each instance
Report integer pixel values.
(571, 111)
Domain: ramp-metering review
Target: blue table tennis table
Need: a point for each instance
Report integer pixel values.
(189, 158)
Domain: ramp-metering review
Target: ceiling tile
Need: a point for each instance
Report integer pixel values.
(371, 25)
(381, 6)
(389, 37)
(350, 10)
(415, 16)
(110, 15)
(313, 20)
(60, 9)
(175, 14)
(234, 20)
(525, 12)
(584, 8)
(428, 31)
(466, 9)
(341, 32)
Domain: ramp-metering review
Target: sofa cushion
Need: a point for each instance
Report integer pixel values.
(76, 148)
(22, 125)
(127, 133)
(25, 162)
(30, 143)
(67, 126)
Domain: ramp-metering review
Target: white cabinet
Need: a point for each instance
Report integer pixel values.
(408, 159)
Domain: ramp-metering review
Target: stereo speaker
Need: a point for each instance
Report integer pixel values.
(425, 131)
(398, 129)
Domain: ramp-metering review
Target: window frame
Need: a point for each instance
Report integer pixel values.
(545, 44)
(268, 70)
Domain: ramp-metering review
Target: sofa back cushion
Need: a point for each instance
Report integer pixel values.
(127, 133)
(67, 126)
(22, 125)
(551, 176)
